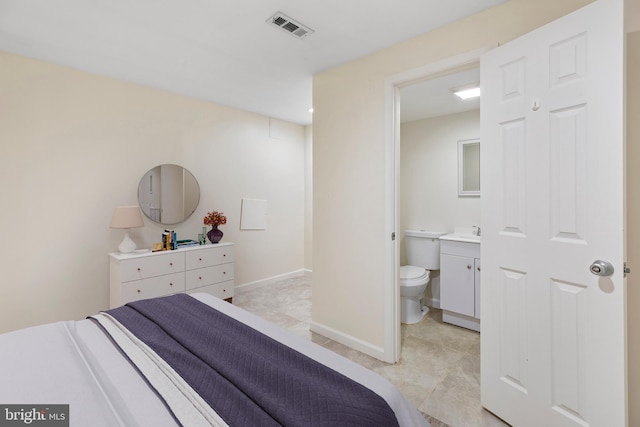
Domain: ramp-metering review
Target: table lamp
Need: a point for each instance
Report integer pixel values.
(127, 217)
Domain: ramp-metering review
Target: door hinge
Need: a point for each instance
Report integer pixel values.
(393, 235)
(626, 269)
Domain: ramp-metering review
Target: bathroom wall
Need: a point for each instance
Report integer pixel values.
(429, 174)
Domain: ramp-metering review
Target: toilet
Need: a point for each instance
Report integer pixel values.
(423, 255)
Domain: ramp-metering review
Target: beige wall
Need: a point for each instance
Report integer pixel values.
(73, 146)
(308, 197)
(633, 214)
(350, 154)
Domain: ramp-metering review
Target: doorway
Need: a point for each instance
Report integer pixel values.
(433, 120)
(394, 86)
(431, 123)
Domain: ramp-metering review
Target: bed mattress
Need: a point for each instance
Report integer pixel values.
(75, 363)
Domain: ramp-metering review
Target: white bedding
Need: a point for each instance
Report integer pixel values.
(75, 363)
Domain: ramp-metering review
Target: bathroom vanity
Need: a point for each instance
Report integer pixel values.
(460, 280)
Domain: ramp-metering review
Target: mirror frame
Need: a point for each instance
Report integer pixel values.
(462, 169)
(176, 188)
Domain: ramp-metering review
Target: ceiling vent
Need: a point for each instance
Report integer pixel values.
(289, 25)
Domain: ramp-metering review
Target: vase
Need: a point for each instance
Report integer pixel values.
(214, 235)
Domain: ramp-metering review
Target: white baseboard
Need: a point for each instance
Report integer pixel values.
(348, 340)
(270, 280)
(318, 328)
(461, 320)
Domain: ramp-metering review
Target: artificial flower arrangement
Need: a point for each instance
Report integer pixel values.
(215, 219)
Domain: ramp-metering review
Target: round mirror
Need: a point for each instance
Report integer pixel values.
(168, 194)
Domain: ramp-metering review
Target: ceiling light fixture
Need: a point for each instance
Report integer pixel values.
(467, 92)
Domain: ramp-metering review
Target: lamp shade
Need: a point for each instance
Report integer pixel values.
(127, 217)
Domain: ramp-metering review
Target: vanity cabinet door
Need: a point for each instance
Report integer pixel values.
(457, 284)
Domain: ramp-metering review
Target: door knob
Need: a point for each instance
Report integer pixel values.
(601, 268)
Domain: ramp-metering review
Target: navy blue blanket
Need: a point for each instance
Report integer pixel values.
(248, 378)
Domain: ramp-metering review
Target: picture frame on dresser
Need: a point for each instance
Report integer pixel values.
(204, 268)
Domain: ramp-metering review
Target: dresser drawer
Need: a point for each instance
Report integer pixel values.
(222, 290)
(152, 287)
(149, 266)
(210, 256)
(209, 275)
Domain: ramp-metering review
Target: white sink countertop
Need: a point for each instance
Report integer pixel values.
(462, 234)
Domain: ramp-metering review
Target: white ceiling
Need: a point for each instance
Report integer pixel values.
(220, 51)
(434, 97)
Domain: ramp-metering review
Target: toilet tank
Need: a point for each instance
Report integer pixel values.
(423, 248)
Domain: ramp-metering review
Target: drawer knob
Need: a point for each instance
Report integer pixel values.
(199, 259)
(138, 290)
(199, 277)
(171, 264)
(468, 267)
(139, 269)
(170, 284)
(224, 255)
(224, 272)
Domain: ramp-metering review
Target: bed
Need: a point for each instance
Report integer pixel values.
(108, 377)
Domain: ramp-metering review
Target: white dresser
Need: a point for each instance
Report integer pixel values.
(206, 268)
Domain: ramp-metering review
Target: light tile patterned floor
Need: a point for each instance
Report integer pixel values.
(439, 368)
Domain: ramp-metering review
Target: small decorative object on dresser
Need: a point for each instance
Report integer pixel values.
(127, 217)
(214, 219)
(201, 268)
(202, 237)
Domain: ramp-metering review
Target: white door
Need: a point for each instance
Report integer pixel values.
(552, 116)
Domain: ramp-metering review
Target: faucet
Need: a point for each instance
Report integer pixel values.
(476, 230)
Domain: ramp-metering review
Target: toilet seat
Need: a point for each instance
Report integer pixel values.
(410, 274)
